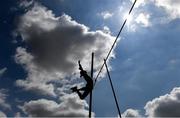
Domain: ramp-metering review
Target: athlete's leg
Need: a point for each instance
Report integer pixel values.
(84, 94)
(80, 94)
(82, 89)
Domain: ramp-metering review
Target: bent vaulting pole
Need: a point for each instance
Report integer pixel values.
(90, 97)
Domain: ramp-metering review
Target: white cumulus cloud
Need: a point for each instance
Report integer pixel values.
(37, 80)
(58, 42)
(139, 2)
(106, 14)
(106, 30)
(131, 113)
(165, 106)
(3, 98)
(172, 7)
(143, 19)
(2, 114)
(70, 107)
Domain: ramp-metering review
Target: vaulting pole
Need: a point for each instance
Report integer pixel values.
(90, 97)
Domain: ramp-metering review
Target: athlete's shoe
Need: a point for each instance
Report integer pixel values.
(74, 89)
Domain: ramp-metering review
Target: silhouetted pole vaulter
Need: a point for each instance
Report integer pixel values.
(89, 86)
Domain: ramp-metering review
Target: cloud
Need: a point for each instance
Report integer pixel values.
(17, 115)
(3, 97)
(106, 30)
(37, 87)
(2, 71)
(56, 44)
(163, 11)
(172, 7)
(139, 17)
(155, 12)
(143, 19)
(131, 113)
(139, 3)
(26, 3)
(37, 80)
(70, 107)
(106, 14)
(165, 106)
(2, 114)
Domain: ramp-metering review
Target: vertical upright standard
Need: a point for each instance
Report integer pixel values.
(112, 88)
(90, 97)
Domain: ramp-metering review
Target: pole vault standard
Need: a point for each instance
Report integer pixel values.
(114, 94)
(90, 96)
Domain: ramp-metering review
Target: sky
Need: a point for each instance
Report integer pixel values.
(41, 42)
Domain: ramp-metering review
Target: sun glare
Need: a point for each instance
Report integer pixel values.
(129, 18)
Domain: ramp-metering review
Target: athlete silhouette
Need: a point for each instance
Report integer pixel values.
(89, 86)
